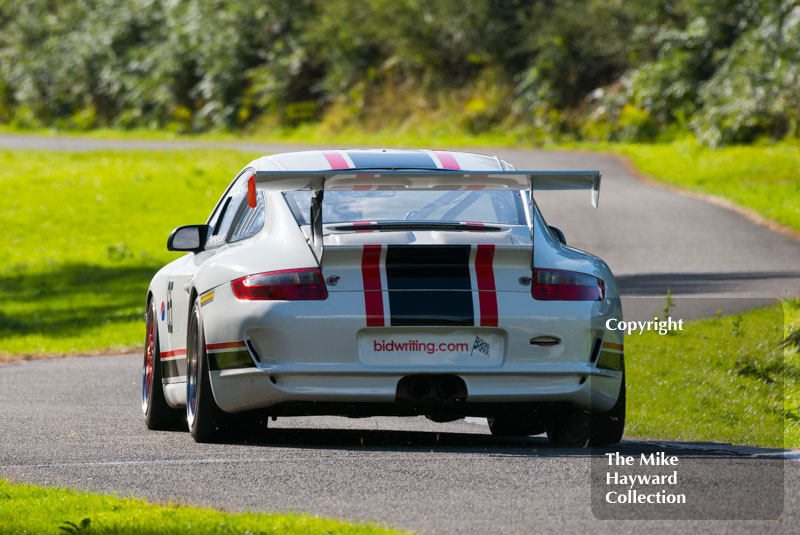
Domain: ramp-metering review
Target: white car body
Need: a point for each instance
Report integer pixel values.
(347, 353)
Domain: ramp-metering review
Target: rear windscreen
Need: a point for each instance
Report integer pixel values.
(501, 207)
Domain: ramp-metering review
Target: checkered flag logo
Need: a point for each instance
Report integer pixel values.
(481, 345)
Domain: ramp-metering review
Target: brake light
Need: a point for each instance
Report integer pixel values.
(560, 285)
(288, 285)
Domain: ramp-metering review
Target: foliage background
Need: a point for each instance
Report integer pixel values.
(726, 70)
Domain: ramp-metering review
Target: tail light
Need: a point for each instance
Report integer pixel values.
(560, 285)
(288, 285)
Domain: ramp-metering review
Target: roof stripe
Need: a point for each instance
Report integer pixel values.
(447, 159)
(336, 160)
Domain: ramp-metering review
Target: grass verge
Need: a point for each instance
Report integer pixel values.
(83, 235)
(725, 379)
(34, 509)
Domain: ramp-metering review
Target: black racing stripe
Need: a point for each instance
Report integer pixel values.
(173, 368)
(429, 285)
(428, 267)
(411, 308)
(229, 360)
(391, 160)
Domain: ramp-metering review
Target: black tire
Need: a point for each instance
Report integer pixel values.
(575, 427)
(207, 422)
(157, 414)
(516, 425)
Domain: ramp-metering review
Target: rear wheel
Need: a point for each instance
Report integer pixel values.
(157, 414)
(575, 427)
(206, 420)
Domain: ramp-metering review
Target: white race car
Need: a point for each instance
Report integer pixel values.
(385, 282)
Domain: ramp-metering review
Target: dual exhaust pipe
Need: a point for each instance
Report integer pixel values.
(432, 389)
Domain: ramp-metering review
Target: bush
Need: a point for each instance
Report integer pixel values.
(756, 90)
(601, 69)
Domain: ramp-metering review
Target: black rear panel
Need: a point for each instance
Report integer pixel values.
(429, 285)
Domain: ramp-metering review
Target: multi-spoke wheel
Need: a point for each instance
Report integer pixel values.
(204, 417)
(157, 414)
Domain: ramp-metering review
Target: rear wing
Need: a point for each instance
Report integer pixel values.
(440, 179)
(415, 179)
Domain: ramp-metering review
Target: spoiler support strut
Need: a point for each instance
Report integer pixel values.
(316, 223)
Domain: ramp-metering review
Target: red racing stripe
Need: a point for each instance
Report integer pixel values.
(487, 297)
(336, 160)
(447, 159)
(174, 353)
(251, 191)
(373, 296)
(224, 345)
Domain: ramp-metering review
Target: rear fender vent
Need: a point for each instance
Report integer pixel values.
(596, 349)
(253, 351)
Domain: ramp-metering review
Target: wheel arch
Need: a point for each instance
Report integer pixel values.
(193, 293)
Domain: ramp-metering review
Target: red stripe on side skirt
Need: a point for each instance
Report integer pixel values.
(336, 160)
(487, 297)
(373, 296)
(174, 353)
(224, 345)
(447, 159)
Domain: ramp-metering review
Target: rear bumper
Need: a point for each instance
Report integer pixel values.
(308, 352)
(581, 385)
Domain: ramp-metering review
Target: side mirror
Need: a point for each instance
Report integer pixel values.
(188, 238)
(557, 234)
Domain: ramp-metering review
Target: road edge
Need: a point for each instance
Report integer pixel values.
(751, 215)
(11, 358)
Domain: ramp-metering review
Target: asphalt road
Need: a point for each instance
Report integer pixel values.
(77, 421)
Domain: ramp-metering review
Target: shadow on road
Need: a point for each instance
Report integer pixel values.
(478, 443)
(656, 284)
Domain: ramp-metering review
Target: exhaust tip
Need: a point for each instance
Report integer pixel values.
(448, 388)
(431, 390)
(419, 388)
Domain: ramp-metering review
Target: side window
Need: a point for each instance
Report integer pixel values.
(214, 220)
(227, 211)
(250, 220)
(226, 216)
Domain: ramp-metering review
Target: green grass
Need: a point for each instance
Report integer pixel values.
(724, 379)
(34, 509)
(84, 234)
(762, 178)
(792, 378)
